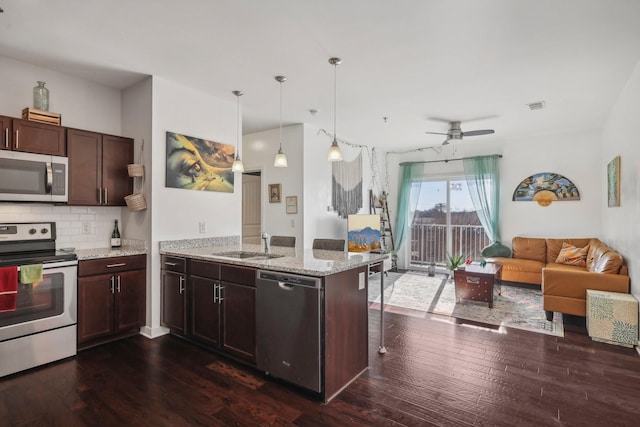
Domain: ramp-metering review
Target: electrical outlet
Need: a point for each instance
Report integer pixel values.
(202, 227)
(86, 228)
(293, 223)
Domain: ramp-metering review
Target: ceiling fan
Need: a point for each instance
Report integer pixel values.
(455, 133)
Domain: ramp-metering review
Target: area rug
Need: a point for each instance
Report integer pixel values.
(418, 294)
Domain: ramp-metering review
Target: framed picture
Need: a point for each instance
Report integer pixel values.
(292, 204)
(198, 164)
(613, 182)
(274, 193)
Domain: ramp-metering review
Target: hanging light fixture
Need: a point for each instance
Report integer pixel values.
(237, 163)
(335, 155)
(280, 161)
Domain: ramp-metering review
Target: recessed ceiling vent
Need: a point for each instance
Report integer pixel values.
(536, 105)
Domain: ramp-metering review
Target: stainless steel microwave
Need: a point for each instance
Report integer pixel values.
(27, 177)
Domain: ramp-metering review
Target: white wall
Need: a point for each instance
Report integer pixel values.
(620, 138)
(136, 122)
(319, 222)
(258, 152)
(177, 212)
(574, 155)
(83, 105)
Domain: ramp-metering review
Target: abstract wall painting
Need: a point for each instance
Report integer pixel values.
(613, 182)
(199, 164)
(546, 187)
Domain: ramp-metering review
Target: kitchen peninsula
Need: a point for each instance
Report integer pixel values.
(298, 315)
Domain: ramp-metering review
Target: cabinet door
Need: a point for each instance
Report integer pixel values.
(85, 162)
(34, 137)
(6, 132)
(239, 320)
(174, 300)
(205, 312)
(130, 300)
(117, 153)
(95, 307)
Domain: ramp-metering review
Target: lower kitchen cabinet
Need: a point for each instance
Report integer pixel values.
(174, 294)
(222, 308)
(111, 298)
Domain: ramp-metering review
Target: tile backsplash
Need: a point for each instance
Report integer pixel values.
(80, 227)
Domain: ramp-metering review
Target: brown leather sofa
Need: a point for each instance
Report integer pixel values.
(564, 287)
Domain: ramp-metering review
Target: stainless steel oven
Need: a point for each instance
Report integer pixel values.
(37, 320)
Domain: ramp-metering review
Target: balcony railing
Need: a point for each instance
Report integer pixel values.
(429, 243)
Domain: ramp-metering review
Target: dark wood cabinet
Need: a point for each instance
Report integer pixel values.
(174, 295)
(205, 310)
(6, 129)
(98, 168)
(32, 137)
(238, 312)
(111, 298)
(221, 309)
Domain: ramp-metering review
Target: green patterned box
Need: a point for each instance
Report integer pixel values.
(612, 317)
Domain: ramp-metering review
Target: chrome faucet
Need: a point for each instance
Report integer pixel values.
(267, 242)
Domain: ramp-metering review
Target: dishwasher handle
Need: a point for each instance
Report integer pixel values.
(285, 287)
(288, 279)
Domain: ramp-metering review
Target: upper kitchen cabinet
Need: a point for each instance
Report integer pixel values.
(32, 137)
(98, 168)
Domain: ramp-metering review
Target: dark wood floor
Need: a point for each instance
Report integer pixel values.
(435, 373)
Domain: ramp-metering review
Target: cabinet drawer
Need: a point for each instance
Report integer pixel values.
(240, 275)
(111, 265)
(173, 263)
(210, 270)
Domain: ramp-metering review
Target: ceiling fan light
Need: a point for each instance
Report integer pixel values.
(237, 165)
(335, 155)
(280, 161)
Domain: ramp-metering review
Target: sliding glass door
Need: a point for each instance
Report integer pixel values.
(445, 223)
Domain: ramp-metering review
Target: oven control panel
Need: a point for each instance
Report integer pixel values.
(14, 232)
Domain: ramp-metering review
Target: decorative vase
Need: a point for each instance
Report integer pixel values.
(41, 97)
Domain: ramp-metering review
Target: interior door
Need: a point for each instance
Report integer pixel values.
(251, 207)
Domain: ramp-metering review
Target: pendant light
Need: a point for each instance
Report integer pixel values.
(237, 163)
(280, 161)
(335, 155)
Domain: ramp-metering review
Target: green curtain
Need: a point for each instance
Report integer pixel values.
(407, 200)
(483, 181)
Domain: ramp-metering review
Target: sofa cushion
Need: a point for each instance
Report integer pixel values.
(555, 245)
(519, 265)
(529, 248)
(602, 259)
(571, 255)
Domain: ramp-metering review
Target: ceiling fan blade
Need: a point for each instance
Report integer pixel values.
(478, 132)
(437, 133)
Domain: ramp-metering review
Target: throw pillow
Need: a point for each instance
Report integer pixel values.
(496, 249)
(570, 255)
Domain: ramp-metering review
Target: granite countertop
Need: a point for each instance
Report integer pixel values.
(129, 247)
(311, 262)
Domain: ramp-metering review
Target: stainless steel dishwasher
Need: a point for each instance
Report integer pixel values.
(288, 328)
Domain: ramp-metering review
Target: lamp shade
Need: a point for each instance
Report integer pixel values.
(280, 161)
(335, 155)
(237, 165)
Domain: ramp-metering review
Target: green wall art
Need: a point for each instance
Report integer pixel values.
(613, 182)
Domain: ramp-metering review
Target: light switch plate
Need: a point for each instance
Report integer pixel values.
(361, 281)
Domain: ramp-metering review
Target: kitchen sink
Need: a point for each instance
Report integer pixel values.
(246, 255)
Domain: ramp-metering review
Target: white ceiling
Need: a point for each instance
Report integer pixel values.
(417, 62)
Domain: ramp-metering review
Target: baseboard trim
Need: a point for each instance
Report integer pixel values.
(152, 333)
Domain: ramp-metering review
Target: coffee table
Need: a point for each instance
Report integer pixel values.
(476, 282)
